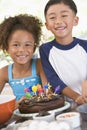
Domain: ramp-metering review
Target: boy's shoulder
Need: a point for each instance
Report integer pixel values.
(82, 40)
(47, 44)
(46, 47)
(82, 43)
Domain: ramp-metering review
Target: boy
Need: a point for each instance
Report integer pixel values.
(65, 58)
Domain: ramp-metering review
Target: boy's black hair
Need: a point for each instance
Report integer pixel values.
(69, 3)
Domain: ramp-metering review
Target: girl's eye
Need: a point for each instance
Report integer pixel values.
(15, 45)
(28, 44)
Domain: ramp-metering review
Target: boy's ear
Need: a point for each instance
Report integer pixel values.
(47, 26)
(76, 20)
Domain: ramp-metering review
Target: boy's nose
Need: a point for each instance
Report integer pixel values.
(58, 21)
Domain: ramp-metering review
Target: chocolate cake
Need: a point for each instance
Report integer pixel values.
(36, 103)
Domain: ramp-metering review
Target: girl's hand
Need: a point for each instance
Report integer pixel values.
(19, 101)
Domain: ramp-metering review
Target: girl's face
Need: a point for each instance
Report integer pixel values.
(60, 20)
(21, 46)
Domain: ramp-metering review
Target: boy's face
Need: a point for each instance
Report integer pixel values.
(60, 20)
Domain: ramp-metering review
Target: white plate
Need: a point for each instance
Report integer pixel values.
(56, 111)
(17, 113)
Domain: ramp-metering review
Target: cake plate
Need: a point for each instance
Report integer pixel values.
(55, 111)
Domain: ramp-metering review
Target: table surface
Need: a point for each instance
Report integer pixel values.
(21, 119)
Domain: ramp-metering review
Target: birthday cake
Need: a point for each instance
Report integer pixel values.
(42, 101)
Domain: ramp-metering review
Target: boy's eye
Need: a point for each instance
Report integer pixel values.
(64, 15)
(52, 17)
(29, 44)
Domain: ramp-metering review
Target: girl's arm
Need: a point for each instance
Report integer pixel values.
(41, 73)
(3, 77)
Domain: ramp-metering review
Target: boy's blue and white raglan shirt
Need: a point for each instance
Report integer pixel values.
(65, 65)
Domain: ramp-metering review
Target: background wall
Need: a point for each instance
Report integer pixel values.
(36, 7)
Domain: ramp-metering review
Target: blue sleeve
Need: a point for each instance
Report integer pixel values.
(51, 75)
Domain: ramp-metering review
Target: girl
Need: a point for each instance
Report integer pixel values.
(19, 36)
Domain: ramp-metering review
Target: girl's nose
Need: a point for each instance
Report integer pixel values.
(21, 48)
